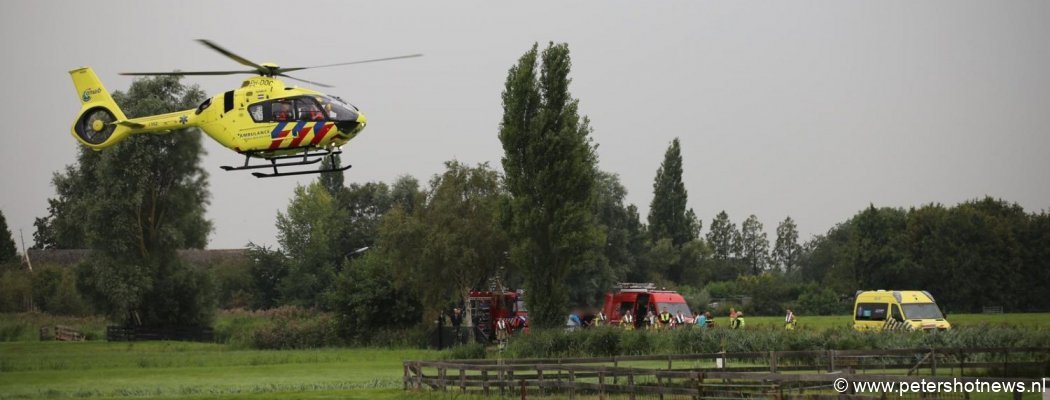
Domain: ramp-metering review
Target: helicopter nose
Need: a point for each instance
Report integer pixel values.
(361, 121)
(352, 128)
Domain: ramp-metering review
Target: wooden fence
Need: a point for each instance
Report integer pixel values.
(774, 374)
(131, 334)
(60, 332)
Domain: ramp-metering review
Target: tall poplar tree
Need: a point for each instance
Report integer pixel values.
(723, 237)
(754, 245)
(549, 163)
(668, 216)
(787, 251)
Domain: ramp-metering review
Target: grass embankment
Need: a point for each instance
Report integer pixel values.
(26, 326)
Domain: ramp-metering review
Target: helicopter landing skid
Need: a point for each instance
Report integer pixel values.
(306, 158)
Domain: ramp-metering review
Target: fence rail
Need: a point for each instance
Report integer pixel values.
(131, 334)
(773, 374)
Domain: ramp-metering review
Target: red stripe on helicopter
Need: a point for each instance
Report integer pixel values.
(319, 133)
(276, 143)
(302, 135)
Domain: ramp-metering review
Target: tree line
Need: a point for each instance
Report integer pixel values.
(551, 222)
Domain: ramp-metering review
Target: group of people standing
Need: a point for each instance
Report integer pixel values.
(666, 320)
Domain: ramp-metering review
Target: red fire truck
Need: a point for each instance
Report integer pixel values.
(486, 308)
(640, 298)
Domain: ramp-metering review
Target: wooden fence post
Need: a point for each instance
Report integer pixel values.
(630, 383)
(660, 384)
(441, 377)
(616, 364)
(463, 380)
(539, 378)
(485, 381)
(700, 384)
(419, 376)
(572, 384)
(601, 385)
(773, 362)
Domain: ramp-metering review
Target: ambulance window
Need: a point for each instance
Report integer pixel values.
(308, 109)
(257, 112)
(897, 313)
(871, 311)
(626, 308)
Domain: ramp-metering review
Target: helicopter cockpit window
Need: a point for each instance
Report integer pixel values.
(308, 109)
(337, 109)
(282, 110)
(257, 112)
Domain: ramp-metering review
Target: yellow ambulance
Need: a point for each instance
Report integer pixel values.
(897, 310)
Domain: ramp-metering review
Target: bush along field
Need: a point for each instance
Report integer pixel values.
(612, 341)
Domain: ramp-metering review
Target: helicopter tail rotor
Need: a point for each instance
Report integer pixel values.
(100, 122)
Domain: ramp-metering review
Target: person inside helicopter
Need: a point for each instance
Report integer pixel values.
(308, 110)
(282, 111)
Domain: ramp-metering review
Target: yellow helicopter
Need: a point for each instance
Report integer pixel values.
(264, 118)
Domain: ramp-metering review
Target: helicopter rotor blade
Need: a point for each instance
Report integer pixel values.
(188, 73)
(234, 57)
(352, 62)
(305, 81)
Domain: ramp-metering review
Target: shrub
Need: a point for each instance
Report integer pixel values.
(465, 352)
(819, 301)
(286, 327)
(608, 342)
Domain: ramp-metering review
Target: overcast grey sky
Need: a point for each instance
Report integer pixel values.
(811, 109)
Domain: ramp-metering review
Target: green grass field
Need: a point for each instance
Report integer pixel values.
(177, 370)
(196, 370)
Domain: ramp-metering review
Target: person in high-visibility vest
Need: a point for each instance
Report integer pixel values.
(789, 320)
(627, 321)
(650, 320)
(665, 318)
(599, 319)
(502, 329)
(738, 322)
(679, 319)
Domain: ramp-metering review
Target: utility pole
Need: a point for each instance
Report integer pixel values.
(24, 252)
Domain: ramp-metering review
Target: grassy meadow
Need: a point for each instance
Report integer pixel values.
(180, 370)
(196, 370)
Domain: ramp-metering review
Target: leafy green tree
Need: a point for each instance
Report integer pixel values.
(361, 206)
(624, 241)
(267, 268)
(787, 251)
(668, 216)
(549, 162)
(55, 291)
(455, 234)
(307, 232)
(368, 302)
(134, 204)
(754, 245)
(332, 181)
(8, 251)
